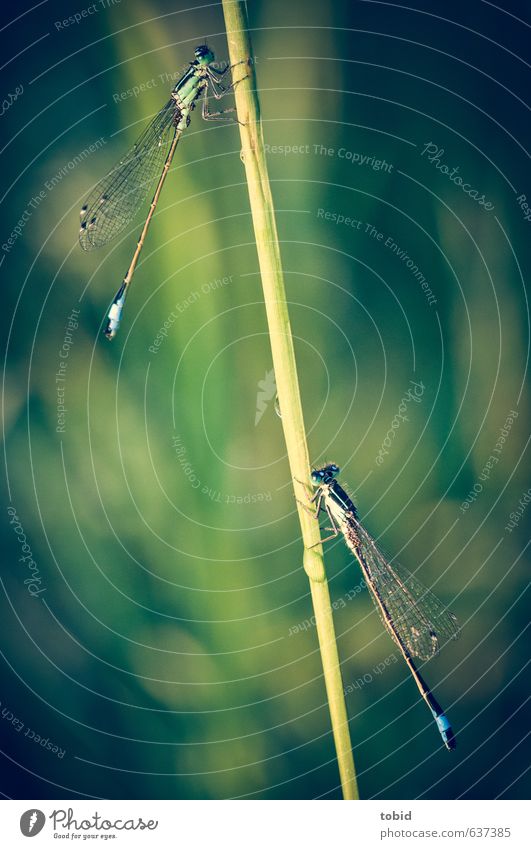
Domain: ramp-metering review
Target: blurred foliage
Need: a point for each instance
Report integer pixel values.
(161, 656)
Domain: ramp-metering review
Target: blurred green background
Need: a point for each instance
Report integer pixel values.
(164, 654)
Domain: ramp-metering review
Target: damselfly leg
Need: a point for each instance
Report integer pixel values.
(222, 115)
(318, 497)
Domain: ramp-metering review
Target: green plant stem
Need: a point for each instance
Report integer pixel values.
(253, 155)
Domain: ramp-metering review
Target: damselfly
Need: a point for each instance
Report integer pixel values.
(115, 200)
(416, 620)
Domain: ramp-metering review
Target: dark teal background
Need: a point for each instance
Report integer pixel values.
(164, 654)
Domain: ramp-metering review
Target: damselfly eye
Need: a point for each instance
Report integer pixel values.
(204, 54)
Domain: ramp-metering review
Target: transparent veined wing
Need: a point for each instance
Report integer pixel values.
(420, 619)
(114, 201)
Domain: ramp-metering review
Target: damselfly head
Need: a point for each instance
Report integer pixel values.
(203, 55)
(324, 475)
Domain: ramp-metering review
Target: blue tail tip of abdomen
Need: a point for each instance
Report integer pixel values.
(446, 731)
(449, 739)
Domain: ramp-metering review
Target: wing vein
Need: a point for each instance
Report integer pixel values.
(115, 200)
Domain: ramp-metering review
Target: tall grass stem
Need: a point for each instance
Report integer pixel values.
(265, 230)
